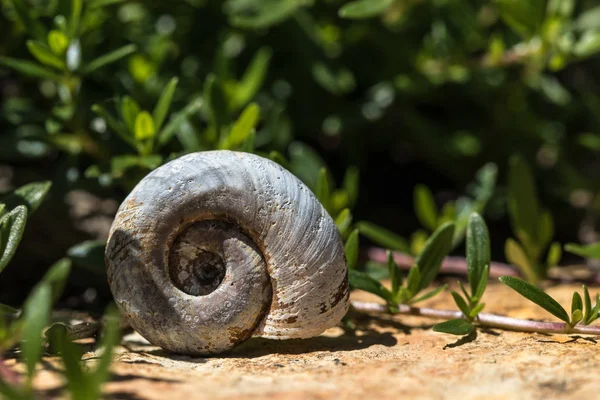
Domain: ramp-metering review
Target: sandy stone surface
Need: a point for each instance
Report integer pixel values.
(385, 358)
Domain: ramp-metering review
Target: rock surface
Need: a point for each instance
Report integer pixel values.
(386, 357)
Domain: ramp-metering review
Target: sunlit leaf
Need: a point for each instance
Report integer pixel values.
(516, 255)
(554, 254)
(44, 55)
(253, 78)
(362, 281)
(177, 121)
(351, 248)
(36, 313)
(144, 126)
(478, 252)
(537, 296)
(242, 128)
(435, 250)
(12, 226)
(30, 195)
(343, 221)
(129, 112)
(58, 42)
(461, 303)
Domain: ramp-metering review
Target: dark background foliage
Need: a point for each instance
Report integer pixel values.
(408, 91)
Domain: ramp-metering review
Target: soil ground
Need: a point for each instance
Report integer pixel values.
(385, 358)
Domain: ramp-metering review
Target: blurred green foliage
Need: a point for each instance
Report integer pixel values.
(108, 90)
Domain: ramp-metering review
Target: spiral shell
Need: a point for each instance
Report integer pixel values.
(215, 247)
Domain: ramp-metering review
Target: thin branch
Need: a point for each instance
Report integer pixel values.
(450, 265)
(484, 319)
(458, 266)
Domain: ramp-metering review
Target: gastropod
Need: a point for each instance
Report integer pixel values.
(215, 247)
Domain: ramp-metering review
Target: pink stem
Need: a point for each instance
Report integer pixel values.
(458, 266)
(484, 319)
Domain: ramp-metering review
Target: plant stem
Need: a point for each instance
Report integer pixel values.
(483, 319)
(458, 266)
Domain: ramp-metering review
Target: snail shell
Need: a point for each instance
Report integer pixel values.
(215, 247)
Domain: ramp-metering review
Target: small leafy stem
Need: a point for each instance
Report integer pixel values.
(482, 320)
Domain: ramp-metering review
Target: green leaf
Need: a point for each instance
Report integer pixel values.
(522, 200)
(110, 338)
(351, 248)
(461, 303)
(360, 9)
(93, 4)
(74, 20)
(253, 78)
(350, 185)
(119, 165)
(425, 207)
(588, 44)
(178, 120)
(417, 241)
(30, 69)
(413, 282)
(115, 125)
(215, 98)
(524, 17)
(70, 353)
(516, 255)
(164, 103)
(587, 301)
(362, 281)
(322, 189)
(554, 255)
(576, 303)
(429, 294)
(480, 290)
(44, 55)
(7, 310)
(30, 195)
(279, 159)
(454, 327)
(478, 251)
(144, 126)
(58, 42)
(589, 19)
(56, 277)
(546, 229)
(242, 128)
(537, 296)
(436, 248)
(129, 112)
(476, 310)
(31, 24)
(343, 221)
(382, 236)
(395, 275)
(12, 226)
(576, 317)
(89, 254)
(36, 313)
(589, 251)
(263, 14)
(109, 58)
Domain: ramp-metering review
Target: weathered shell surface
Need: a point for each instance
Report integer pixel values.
(284, 266)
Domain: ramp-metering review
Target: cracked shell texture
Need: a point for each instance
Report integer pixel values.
(286, 274)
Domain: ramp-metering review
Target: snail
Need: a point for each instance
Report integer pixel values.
(216, 247)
